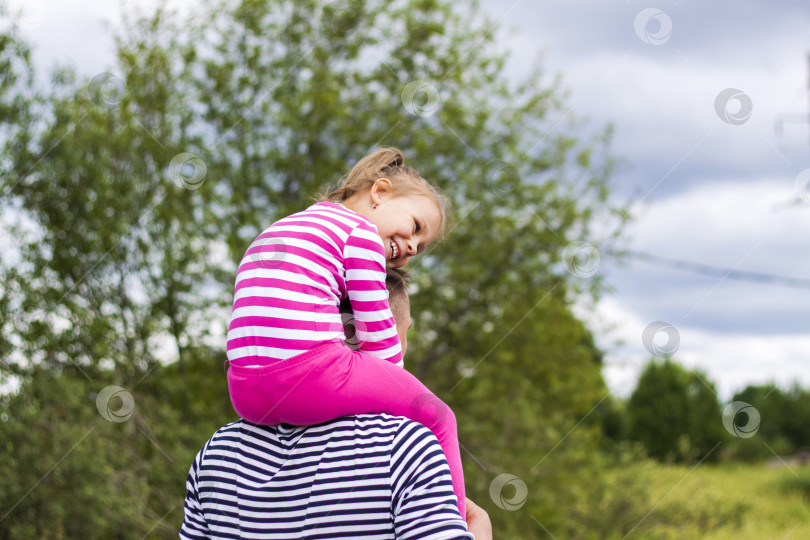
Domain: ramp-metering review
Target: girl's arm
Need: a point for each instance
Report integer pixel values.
(364, 262)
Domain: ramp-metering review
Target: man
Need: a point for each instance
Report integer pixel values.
(374, 476)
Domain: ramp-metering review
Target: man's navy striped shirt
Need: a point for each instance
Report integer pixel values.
(370, 476)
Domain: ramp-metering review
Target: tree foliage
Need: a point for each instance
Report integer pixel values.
(674, 413)
(133, 194)
(783, 426)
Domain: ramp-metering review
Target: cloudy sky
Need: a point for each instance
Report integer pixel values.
(707, 100)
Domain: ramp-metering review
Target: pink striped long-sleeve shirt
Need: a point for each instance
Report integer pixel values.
(291, 281)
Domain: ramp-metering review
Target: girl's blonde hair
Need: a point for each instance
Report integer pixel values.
(388, 163)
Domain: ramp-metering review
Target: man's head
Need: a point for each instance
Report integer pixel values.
(396, 281)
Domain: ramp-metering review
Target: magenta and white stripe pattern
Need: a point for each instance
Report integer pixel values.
(291, 281)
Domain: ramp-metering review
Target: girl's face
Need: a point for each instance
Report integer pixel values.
(407, 224)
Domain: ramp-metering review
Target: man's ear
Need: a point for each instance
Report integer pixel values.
(380, 190)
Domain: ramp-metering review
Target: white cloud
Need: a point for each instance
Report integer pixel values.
(737, 332)
(730, 361)
(755, 224)
(78, 33)
(741, 226)
(68, 33)
(662, 98)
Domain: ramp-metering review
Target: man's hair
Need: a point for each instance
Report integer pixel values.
(396, 281)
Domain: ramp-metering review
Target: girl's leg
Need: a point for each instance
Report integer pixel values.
(374, 385)
(332, 381)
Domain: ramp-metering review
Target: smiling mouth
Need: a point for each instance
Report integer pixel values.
(394, 251)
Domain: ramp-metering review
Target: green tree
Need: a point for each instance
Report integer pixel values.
(17, 106)
(784, 419)
(69, 472)
(115, 276)
(614, 420)
(674, 413)
(145, 185)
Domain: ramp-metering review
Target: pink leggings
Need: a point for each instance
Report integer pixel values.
(331, 381)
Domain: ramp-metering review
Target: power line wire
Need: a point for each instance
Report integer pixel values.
(714, 271)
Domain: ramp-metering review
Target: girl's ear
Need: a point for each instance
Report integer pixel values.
(380, 190)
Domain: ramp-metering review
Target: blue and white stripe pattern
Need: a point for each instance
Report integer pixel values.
(370, 476)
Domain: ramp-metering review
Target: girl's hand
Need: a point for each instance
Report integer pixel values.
(478, 521)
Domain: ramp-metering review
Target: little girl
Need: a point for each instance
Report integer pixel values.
(288, 362)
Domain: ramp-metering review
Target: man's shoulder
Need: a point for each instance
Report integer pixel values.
(286, 478)
(360, 425)
(383, 421)
(360, 421)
